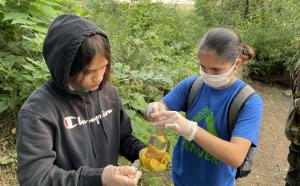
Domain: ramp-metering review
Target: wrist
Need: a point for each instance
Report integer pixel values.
(142, 151)
(193, 126)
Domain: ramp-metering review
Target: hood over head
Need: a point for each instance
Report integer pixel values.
(64, 37)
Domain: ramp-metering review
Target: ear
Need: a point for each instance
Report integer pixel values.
(239, 62)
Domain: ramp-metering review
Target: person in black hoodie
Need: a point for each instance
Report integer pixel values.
(72, 129)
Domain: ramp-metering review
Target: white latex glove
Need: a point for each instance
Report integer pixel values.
(175, 121)
(153, 108)
(120, 176)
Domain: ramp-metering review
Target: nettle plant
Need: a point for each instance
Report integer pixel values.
(23, 26)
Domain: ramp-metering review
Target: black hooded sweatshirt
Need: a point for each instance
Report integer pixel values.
(65, 137)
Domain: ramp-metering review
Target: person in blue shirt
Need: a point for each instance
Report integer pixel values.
(206, 153)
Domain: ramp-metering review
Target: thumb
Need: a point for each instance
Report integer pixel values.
(133, 180)
(137, 176)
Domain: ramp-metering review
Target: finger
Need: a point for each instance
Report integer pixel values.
(154, 118)
(127, 171)
(155, 108)
(149, 109)
(127, 181)
(122, 180)
(138, 175)
(163, 122)
(134, 180)
(163, 114)
(162, 108)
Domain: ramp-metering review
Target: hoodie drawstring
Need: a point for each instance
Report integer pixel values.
(90, 131)
(105, 132)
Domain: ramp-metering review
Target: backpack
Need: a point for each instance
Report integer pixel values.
(234, 108)
(292, 127)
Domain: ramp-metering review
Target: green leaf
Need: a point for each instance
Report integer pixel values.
(3, 54)
(138, 102)
(29, 67)
(9, 61)
(15, 16)
(27, 77)
(12, 102)
(39, 20)
(3, 106)
(48, 11)
(124, 101)
(23, 21)
(2, 2)
(130, 113)
(8, 88)
(36, 28)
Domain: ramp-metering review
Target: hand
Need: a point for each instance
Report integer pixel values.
(154, 107)
(176, 122)
(120, 176)
(154, 159)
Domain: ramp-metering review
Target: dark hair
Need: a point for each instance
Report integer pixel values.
(226, 43)
(86, 52)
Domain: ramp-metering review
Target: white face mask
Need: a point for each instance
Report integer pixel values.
(216, 81)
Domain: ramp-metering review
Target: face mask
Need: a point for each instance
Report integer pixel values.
(80, 89)
(216, 81)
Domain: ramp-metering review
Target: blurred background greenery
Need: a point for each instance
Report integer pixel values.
(153, 45)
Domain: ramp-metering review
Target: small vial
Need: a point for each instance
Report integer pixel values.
(136, 164)
(158, 144)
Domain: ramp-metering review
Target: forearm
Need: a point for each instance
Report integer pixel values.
(130, 147)
(232, 153)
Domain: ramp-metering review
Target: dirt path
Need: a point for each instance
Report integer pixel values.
(270, 164)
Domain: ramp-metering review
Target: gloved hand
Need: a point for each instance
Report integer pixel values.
(175, 121)
(153, 108)
(154, 159)
(120, 176)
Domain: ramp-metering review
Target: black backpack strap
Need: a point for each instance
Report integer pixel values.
(194, 90)
(237, 104)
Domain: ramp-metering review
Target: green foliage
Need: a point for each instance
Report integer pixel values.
(276, 27)
(270, 27)
(143, 50)
(153, 48)
(23, 26)
(148, 39)
(9, 159)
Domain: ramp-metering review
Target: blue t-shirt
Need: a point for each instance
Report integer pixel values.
(192, 165)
